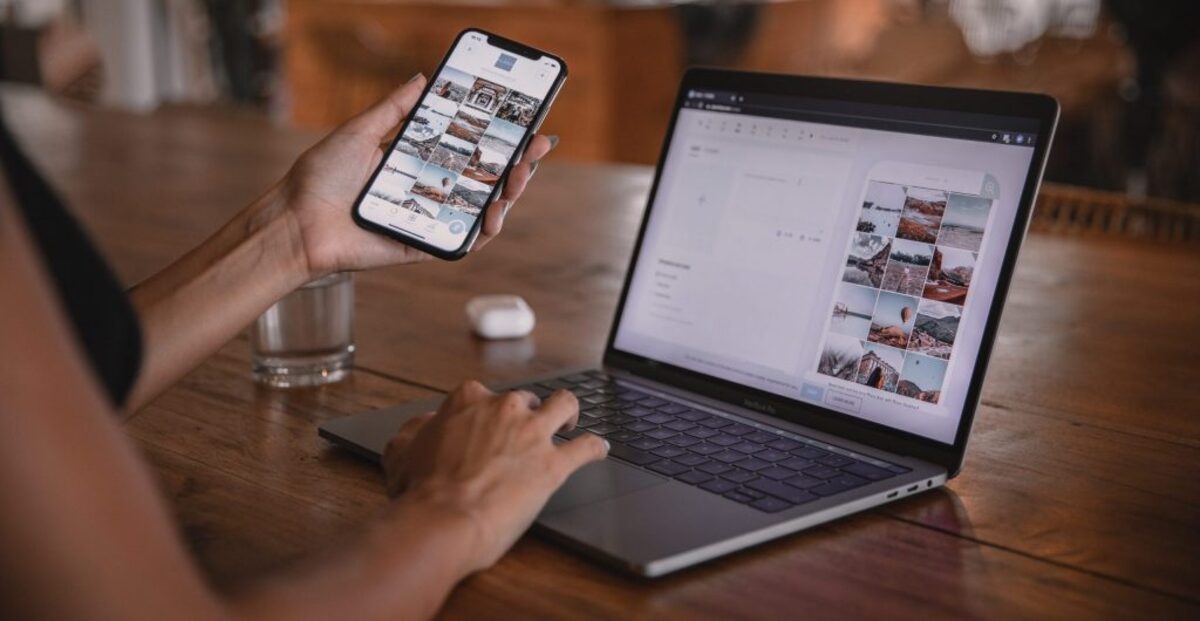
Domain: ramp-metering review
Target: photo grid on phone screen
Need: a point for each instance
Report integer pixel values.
(905, 281)
(455, 148)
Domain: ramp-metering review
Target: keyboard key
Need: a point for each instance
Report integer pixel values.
(668, 468)
(723, 440)
(672, 408)
(719, 486)
(669, 451)
(691, 460)
(597, 399)
(645, 444)
(737, 496)
(652, 402)
(714, 467)
(623, 436)
(867, 471)
(737, 475)
(770, 504)
(822, 472)
(737, 429)
(576, 378)
(658, 418)
(683, 440)
(760, 437)
(604, 429)
(640, 426)
(692, 415)
(784, 444)
(632, 396)
(660, 434)
(796, 463)
(754, 463)
(619, 419)
(637, 411)
(838, 485)
(586, 421)
(592, 384)
(679, 425)
(702, 432)
(580, 392)
(779, 490)
(836, 461)
(600, 375)
(632, 455)
(705, 449)
(554, 384)
(747, 448)
(715, 422)
(773, 455)
(694, 477)
(751, 493)
(599, 412)
(809, 452)
(777, 473)
(729, 457)
(804, 482)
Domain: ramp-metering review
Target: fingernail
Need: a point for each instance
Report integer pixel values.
(533, 167)
(607, 446)
(553, 141)
(414, 78)
(507, 206)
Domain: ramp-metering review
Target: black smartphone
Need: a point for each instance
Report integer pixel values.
(455, 150)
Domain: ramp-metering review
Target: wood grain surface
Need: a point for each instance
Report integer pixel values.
(1080, 497)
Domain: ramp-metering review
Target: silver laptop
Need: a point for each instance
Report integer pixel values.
(807, 317)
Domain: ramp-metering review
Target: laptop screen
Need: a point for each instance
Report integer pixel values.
(842, 254)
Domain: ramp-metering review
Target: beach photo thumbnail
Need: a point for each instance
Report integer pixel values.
(392, 187)
(452, 84)
(434, 183)
(469, 124)
(922, 378)
(401, 163)
(933, 333)
(519, 109)
(922, 215)
(852, 309)
(867, 259)
(486, 95)
(949, 276)
(496, 147)
(879, 367)
(426, 123)
(907, 266)
(893, 319)
(469, 196)
(840, 356)
(966, 217)
(881, 209)
(452, 153)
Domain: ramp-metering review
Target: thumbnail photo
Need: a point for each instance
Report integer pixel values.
(867, 259)
(420, 149)
(426, 123)
(401, 163)
(421, 205)
(962, 226)
(519, 108)
(893, 320)
(469, 124)
(469, 196)
(949, 275)
(852, 310)
(907, 267)
(391, 187)
(434, 183)
(923, 210)
(879, 367)
(840, 356)
(486, 95)
(452, 154)
(922, 378)
(933, 333)
(452, 84)
(881, 209)
(495, 148)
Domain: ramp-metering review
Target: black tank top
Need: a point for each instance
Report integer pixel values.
(102, 318)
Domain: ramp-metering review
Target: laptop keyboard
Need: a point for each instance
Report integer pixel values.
(762, 469)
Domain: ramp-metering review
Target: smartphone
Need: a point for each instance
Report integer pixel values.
(457, 147)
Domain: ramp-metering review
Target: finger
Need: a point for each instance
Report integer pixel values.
(493, 222)
(468, 393)
(407, 432)
(579, 452)
(380, 119)
(559, 411)
(538, 147)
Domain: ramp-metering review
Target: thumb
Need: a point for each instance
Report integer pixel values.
(380, 119)
(577, 453)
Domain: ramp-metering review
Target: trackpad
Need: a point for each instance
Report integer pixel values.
(598, 481)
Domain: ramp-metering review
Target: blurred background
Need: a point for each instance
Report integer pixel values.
(1127, 72)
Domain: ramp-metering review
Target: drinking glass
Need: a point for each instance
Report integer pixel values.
(307, 338)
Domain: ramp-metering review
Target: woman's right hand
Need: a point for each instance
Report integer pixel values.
(490, 458)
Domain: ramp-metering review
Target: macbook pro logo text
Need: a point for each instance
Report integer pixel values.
(506, 62)
(759, 405)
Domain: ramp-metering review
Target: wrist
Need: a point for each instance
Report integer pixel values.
(455, 529)
(270, 221)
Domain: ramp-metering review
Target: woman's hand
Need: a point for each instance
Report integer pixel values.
(319, 191)
(489, 458)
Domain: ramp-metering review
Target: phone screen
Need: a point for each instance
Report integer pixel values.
(459, 141)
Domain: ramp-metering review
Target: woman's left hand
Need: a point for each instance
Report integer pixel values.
(320, 189)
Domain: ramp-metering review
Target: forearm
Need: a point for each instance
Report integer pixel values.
(198, 303)
(402, 568)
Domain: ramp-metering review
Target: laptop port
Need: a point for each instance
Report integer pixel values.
(893, 494)
(914, 488)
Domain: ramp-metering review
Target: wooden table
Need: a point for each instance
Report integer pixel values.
(1080, 496)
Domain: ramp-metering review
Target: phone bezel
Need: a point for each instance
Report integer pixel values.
(469, 241)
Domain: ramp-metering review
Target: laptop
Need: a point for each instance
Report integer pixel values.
(807, 316)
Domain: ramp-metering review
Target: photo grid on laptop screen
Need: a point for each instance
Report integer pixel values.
(840, 260)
